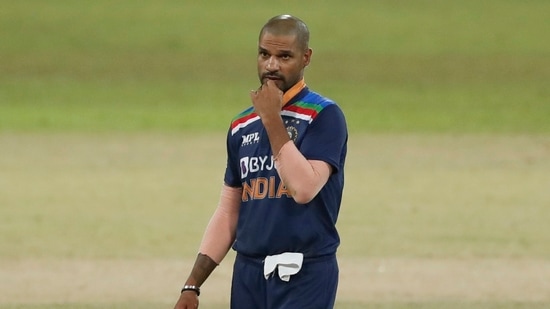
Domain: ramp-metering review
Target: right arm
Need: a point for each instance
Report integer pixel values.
(216, 242)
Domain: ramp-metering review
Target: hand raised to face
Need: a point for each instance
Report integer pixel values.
(267, 100)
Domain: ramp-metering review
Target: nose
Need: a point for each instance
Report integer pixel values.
(272, 64)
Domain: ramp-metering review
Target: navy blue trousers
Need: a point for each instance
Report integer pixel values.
(314, 287)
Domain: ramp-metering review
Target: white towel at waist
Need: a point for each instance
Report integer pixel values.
(287, 264)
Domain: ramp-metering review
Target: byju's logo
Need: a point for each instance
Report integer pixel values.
(256, 164)
(251, 138)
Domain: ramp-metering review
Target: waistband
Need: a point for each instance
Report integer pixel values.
(260, 260)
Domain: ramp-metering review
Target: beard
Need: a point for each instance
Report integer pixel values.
(278, 79)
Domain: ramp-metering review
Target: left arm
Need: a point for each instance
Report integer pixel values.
(303, 178)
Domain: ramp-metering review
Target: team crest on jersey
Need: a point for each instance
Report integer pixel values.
(291, 129)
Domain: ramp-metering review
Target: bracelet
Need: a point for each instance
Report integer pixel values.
(193, 288)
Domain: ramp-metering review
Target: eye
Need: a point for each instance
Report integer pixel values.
(285, 57)
(263, 54)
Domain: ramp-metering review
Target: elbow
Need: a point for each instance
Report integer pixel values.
(303, 197)
(305, 192)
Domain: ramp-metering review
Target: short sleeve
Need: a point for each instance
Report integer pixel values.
(232, 177)
(326, 137)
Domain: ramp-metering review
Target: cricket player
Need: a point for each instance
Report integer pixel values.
(282, 188)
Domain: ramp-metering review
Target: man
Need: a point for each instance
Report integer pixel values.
(282, 187)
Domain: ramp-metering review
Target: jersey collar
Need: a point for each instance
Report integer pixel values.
(293, 91)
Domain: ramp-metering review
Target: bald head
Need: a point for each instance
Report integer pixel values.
(288, 25)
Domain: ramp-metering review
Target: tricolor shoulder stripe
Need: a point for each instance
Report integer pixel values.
(304, 110)
(243, 119)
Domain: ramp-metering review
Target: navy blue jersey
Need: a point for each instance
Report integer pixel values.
(270, 221)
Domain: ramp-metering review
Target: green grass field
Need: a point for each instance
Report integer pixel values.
(112, 123)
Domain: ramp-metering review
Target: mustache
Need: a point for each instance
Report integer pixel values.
(272, 75)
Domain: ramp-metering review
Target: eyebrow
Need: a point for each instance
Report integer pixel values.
(279, 52)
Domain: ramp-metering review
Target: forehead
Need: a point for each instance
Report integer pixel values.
(270, 41)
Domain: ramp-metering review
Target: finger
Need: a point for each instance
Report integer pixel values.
(270, 83)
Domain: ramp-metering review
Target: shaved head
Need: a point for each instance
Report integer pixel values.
(288, 25)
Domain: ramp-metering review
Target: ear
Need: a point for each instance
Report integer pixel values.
(307, 57)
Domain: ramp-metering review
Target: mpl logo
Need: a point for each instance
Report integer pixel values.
(251, 138)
